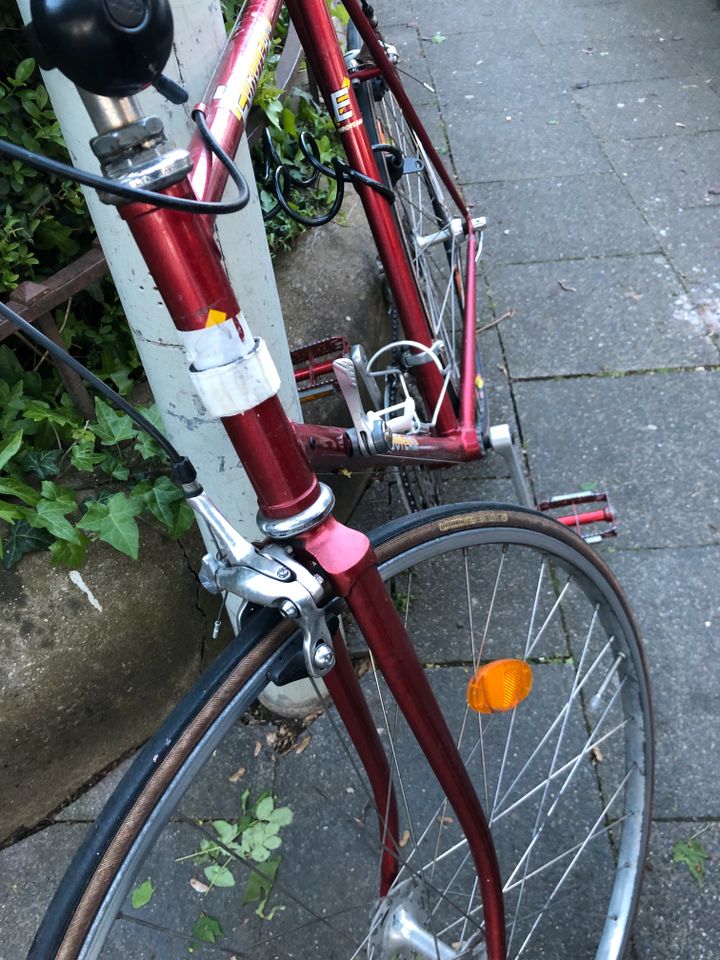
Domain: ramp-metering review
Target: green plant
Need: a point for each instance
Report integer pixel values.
(693, 854)
(285, 128)
(253, 839)
(46, 451)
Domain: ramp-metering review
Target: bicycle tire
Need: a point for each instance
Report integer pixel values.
(615, 763)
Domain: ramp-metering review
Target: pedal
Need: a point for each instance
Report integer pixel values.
(313, 367)
(578, 519)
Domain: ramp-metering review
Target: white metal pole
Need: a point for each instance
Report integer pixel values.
(199, 38)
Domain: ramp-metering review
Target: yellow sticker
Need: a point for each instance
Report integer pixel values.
(399, 440)
(215, 317)
(479, 382)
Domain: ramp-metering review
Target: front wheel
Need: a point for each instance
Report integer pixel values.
(236, 834)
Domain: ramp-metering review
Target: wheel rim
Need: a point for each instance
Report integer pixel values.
(324, 807)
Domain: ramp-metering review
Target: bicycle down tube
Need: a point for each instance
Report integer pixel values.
(237, 382)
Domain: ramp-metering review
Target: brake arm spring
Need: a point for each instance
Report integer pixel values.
(279, 179)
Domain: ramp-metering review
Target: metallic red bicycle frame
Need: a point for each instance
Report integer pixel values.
(184, 260)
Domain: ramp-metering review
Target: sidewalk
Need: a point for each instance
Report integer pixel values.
(588, 133)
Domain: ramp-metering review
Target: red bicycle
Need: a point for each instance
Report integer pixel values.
(481, 786)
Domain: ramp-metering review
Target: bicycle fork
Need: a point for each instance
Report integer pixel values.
(349, 562)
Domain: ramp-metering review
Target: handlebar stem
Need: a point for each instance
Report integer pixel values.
(110, 113)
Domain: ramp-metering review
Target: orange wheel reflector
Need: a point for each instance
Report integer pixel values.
(499, 686)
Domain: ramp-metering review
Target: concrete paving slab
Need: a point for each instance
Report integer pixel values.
(678, 919)
(680, 624)
(562, 22)
(650, 108)
(518, 136)
(591, 316)
(695, 20)
(450, 17)
(618, 59)
(30, 872)
(668, 173)
(691, 239)
(561, 217)
(646, 439)
(470, 51)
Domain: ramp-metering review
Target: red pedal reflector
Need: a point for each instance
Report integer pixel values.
(313, 365)
(578, 520)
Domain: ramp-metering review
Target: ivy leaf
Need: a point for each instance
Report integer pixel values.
(167, 504)
(287, 122)
(41, 412)
(11, 370)
(12, 487)
(693, 854)
(147, 447)
(67, 554)
(112, 427)
(160, 498)
(9, 447)
(207, 929)
(152, 414)
(43, 463)
(219, 876)
(142, 894)
(273, 111)
(114, 522)
(83, 456)
(120, 377)
(63, 495)
(115, 467)
(9, 512)
(50, 514)
(22, 539)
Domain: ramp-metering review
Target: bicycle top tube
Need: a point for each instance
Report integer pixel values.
(230, 93)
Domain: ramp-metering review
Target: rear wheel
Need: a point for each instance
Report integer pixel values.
(423, 210)
(188, 852)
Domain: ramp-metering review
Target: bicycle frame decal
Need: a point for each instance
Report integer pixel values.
(237, 73)
(340, 100)
(238, 93)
